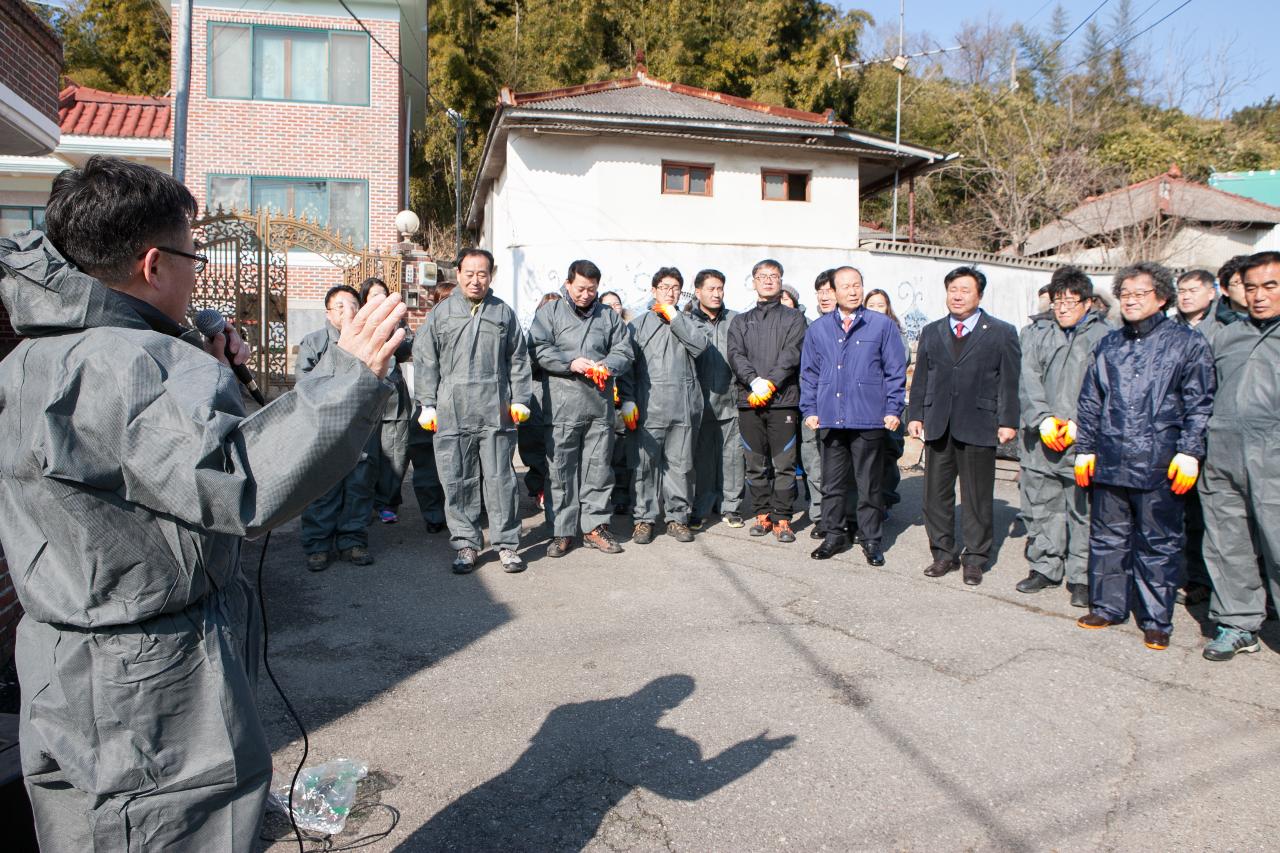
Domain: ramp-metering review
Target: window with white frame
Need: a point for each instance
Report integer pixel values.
(288, 64)
(331, 203)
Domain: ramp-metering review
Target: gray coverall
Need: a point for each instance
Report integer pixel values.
(393, 442)
(664, 383)
(470, 362)
(580, 441)
(1056, 512)
(340, 517)
(1240, 484)
(128, 477)
(719, 466)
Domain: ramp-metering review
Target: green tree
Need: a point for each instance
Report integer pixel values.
(117, 45)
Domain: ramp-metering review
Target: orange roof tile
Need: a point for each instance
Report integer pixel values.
(90, 112)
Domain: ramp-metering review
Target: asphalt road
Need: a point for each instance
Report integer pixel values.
(734, 695)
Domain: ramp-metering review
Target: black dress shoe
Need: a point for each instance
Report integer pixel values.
(1079, 594)
(815, 532)
(940, 567)
(972, 575)
(829, 548)
(873, 554)
(1034, 582)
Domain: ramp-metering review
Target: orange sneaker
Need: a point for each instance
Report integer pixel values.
(763, 525)
(782, 529)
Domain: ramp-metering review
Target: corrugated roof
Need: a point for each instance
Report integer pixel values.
(1169, 195)
(660, 103)
(1263, 186)
(90, 112)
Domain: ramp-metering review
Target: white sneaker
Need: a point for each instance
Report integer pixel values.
(511, 561)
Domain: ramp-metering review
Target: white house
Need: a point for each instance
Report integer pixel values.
(638, 173)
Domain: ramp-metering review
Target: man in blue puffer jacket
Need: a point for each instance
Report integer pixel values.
(853, 380)
(1142, 415)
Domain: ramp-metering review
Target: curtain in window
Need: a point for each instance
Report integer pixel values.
(229, 193)
(349, 211)
(269, 64)
(229, 65)
(349, 68)
(309, 67)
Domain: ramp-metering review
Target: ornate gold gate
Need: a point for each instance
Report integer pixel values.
(247, 278)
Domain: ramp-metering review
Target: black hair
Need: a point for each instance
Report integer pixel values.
(967, 272)
(703, 275)
(767, 262)
(1161, 279)
(1228, 270)
(103, 216)
(666, 272)
(586, 269)
(341, 288)
(1070, 279)
(1202, 276)
(824, 279)
(476, 253)
(612, 293)
(1259, 259)
(367, 285)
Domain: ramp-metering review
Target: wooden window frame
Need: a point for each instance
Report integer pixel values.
(680, 164)
(786, 174)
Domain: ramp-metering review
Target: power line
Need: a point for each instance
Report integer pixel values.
(390, 55)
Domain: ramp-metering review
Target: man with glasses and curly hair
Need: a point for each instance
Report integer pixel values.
(1141, 417)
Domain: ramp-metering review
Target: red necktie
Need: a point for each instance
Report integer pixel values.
(960, 330)
(848, 323)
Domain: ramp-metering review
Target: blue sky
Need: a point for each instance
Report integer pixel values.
(1193, 38)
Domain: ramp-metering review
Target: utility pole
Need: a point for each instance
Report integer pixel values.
(182, 91)
(459, 125)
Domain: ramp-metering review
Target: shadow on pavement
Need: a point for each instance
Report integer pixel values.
(581, 763)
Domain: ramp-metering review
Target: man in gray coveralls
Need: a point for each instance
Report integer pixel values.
(128, 479)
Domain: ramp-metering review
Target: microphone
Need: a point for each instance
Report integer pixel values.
(211, 323)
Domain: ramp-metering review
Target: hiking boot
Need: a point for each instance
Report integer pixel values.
(679, 532)
(642, 534)
(318, 562)
(732, 519)
(1229, 643)
(782, 530)
(602, 540)
(1034, 582)
(559, 546)
(1154, 638)
(763, 526)
(1095, 621)
(464, 561)
(511, 562)
(356, 556)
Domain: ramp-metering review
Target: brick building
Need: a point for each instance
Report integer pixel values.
(295, 107)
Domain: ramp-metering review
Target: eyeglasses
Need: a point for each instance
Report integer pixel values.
(767, 277)
(1065, 304)
(668, 288)
(1136, 295)
(201, 261)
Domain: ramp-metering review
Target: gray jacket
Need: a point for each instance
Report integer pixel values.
(1246, 359)
(663, 382)
(1053, 367)
(559, 334)
(132, 445)
(471, 365)
(715, 376)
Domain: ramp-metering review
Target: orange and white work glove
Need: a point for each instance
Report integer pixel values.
(1051, 433)
(427, 419)
(665, 311)
(617, 398)
(630, 415)
(598, 374)
(1085, 465)
(761, 390)
(1068, 434)
(1183, 470)
(520, 413)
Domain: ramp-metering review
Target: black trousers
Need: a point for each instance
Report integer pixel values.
(863, 451)
(770, 441)
(975, 466)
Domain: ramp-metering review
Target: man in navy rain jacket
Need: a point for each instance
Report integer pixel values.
(853, 379)
(1142, 415)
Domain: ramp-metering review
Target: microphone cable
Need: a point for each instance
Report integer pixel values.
(297, 721)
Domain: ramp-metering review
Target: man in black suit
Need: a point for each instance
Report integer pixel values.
(964, 400)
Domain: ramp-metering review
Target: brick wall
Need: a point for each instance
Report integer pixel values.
(30, 57)
(301, 140)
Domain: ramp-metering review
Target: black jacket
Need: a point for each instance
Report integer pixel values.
(1147, 395)
(766, 341)
(970, 389)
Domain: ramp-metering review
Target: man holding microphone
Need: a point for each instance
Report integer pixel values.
(471, 374)
(853, 380)
(125, 435)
